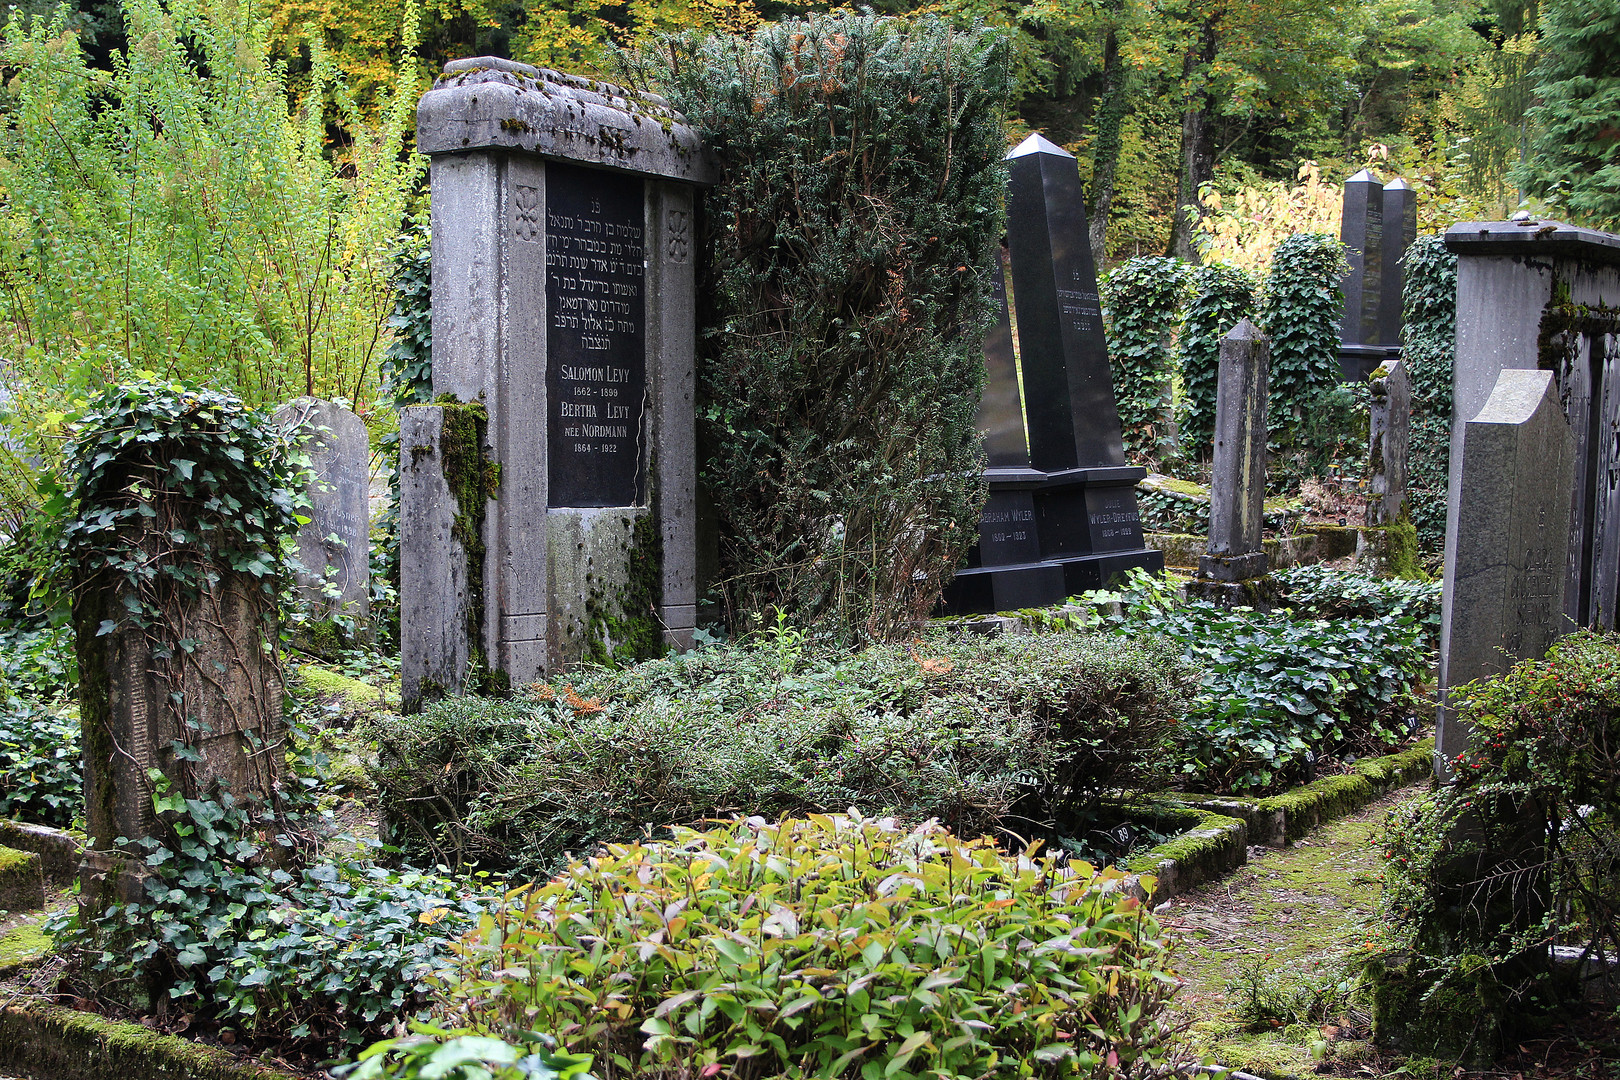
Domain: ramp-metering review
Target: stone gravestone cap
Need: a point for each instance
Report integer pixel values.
(1507, 539)
(334, 546)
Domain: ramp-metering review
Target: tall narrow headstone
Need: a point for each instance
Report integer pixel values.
(1389, 439)
(1362, 231)
(1237, 488)
(1507, 540)
(1399, 230)
(334, 546)
(1065, 519)
(563, 300)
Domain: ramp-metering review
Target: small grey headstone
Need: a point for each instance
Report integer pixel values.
(1390, 435)
(1507, 540)
(334, 547)
(1237, 490)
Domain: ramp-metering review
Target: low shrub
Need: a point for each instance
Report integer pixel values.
(234, 932)
(1323, 592)
(835, 947)
(971, 730)
(39, 662)
(1277, 694)
(1519, 852)
(432, 1053)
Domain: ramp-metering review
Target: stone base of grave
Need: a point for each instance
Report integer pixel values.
(1259, 593)
(987, 589)
(1233, 567)
(107, 878)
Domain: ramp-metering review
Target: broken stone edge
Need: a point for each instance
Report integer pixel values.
(59, 851)
(52, 1040)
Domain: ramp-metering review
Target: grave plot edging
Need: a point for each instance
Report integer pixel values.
(71, 1045)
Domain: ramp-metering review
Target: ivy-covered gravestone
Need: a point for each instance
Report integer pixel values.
(178, 502)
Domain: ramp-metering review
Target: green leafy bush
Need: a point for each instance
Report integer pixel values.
(848, 251)
(433, 1053)
(1300, 311)
(40, 764)
(837, 947)
(233, 930)
(39, 662)
(967, 729)
(1142, 301)
(1278, 694)
(1222, 296)
(1520, 851)
(1429, 351)
(1323, 592)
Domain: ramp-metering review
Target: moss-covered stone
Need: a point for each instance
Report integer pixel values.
(324, 684)
(22, 881)
(59, 850)
(1458, 1018)
(49, 1040)
(22, 946)
(1207, 846)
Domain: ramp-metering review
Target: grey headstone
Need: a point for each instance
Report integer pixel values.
(334, 547)
(1506, 540)
(1237, 489)
(438, 632)
(564, 247)
(1390, 435)
(1515, 280)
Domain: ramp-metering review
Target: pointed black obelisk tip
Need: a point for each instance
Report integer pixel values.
(1243, 331)
(1037, 144)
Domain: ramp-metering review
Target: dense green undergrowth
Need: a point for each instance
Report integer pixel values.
(980, 733)
(835, 947)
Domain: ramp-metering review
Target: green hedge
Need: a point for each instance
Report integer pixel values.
(847, 248)
(1223, 295)
(971, 730)
(1142, 301)
(1429, 351)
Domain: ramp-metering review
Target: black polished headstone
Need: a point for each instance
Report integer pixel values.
(1001, 412)
(1061, 518)
(596, 351)
(1362, 231)
(1400, 229)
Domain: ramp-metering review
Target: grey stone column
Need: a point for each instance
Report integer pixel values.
(672, 348)
(435, 644)
(1389, 439)
(1237, 489)
(334, 547)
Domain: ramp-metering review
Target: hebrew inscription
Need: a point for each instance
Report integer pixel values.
(596, 372)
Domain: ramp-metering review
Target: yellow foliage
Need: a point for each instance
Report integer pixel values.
(1245, 227)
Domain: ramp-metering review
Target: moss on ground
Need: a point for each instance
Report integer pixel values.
(52, 1040)
(327, 685)
(1295, 914)
(21, 946)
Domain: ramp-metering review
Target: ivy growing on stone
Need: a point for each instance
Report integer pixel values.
(1429, 350)
(848, 250)
(1222, 295)
(1142, 300)
(1301, 311)
(177, 503)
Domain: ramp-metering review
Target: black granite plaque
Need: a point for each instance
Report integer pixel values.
(1068, 388)
(596, 352)
(1001, 410)
(1361, 230)
(1007, 529)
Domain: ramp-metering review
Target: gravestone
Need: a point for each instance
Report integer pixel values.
(1237, 489)
(334, 547)
(1543, 294)
(1061, 516)
(1399, 230)
(1389, 437)
(1379, 224)
(563, 302)
(225, 705)
(1507, 537)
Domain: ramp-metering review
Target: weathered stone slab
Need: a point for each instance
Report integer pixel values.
(1389, 440)
(438, 624)
(334, 547)
(1237, 490)
(1506, 540)
(564, 302)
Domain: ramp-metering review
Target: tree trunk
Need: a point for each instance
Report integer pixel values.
(1197, 144)
(1111, 112)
